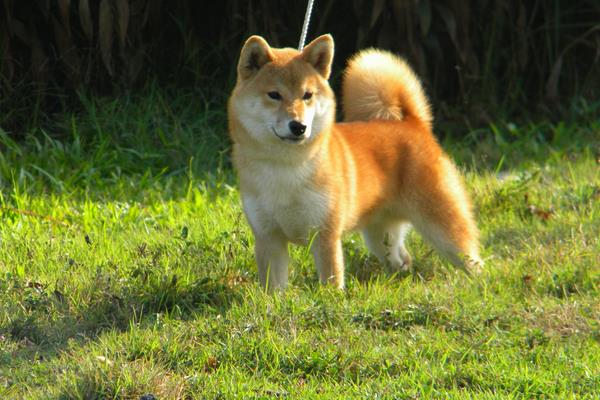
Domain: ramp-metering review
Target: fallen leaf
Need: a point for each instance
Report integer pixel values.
(211, 364)
(542, 214)
(105, 360)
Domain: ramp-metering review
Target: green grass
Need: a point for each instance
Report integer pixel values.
(126, 269)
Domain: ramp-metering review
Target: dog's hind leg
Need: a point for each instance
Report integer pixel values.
(442, 214)
(386, 242)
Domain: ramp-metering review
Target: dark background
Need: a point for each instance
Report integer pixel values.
(481, 58)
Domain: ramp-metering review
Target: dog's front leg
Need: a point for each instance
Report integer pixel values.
(329, 259)
(272, 257)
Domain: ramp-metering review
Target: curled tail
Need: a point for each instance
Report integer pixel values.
(380, 85)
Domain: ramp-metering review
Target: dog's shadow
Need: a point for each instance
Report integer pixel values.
(110, 309)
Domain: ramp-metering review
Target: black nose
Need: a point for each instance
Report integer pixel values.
(297, 128)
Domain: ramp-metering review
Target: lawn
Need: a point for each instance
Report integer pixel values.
(126, 270)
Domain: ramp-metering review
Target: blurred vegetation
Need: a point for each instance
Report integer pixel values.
(487, 58)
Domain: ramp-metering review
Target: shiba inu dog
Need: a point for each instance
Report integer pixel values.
(306, 179)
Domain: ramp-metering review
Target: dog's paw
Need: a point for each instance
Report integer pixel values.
(474, 265)
(402, 264)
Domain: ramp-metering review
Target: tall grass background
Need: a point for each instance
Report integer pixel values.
(491, 58)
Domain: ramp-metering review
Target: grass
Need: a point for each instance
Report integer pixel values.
(126, 269)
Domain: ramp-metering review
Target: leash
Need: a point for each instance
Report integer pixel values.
(309, 7)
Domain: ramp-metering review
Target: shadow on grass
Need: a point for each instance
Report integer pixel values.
(111, 306)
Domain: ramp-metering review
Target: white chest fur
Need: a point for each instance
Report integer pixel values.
(283, 198)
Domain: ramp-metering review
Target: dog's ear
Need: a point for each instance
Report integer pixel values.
(255, 53)
(319, 54)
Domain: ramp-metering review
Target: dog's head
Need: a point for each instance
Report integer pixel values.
(282, 95)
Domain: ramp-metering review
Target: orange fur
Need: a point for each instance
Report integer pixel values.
(380, 174)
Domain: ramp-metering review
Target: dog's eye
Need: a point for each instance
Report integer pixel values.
(307, 96)
(274, 95)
